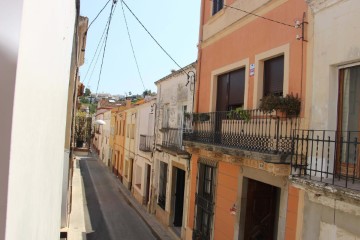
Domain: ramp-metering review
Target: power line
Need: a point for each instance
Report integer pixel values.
(132, 47)
(97, 58)
(97, 15)
(113, 6)
(154, 38)
(97, 48)
(268, 19)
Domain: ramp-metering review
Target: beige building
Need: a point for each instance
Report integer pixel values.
(325, 187)
(131, 120)
(171, 162)
(144, 146)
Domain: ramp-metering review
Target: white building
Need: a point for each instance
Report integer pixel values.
(37, 58)
(171, 162)
(144, 146)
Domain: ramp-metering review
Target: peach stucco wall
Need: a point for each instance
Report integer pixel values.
(240, 43)
(226, 191)
(226, 194)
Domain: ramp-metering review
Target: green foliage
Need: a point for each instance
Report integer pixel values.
(87, 92)
(82, 127)
(290, 104)
(84, 100)
(92, 108)
(201, 117)
(146, 93)
(270, 103)
(239, 114)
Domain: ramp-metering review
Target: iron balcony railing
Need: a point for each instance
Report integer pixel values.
(172, 138)
(146, 143)
(331, 157)
(252, 130)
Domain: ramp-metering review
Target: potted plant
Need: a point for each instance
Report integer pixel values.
(289, 105)
(239, 114)
(270, 103)
(201, 117)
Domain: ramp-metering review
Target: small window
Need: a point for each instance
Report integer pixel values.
(217, 6)
(274, 76)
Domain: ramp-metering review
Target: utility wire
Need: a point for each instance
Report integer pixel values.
(132, 47)
(97, 58)
(97, 15)
(113, 6)
(96, 51)
(268, 19)
(154, 38)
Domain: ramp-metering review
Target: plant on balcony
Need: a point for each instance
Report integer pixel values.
(201, 117)
(289, 105)
(270, 103)
(239, 114)
(187, 115)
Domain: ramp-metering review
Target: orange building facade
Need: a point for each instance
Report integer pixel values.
(241, 155)
(118, 150)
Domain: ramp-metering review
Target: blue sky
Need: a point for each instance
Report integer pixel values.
(175, 25)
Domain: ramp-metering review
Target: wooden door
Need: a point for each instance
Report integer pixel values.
(260, 214)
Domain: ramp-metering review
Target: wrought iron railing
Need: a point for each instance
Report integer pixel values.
(252, 130)
(331, 157)
(146, 143)
(172, 138)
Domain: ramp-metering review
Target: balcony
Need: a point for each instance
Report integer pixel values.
(330, 157)
(172, 141)
(146, 143)
(250, 130)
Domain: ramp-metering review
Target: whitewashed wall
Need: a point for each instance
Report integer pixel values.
(37, 38)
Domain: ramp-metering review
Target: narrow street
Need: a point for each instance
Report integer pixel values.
(111, 215)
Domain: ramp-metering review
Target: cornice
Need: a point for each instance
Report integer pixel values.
(318, 5)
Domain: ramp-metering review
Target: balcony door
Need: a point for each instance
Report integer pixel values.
(349, 122)
(230, 90)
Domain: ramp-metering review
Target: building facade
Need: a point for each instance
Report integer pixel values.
(34, 163)
(324, 197)
(171, 162)
(250, 52)
(144, 144)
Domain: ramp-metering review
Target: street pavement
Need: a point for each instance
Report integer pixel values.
(112, 213)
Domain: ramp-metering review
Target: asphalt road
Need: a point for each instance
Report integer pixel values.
(111, 215)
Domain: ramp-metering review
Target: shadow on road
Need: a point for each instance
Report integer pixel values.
(96, 216)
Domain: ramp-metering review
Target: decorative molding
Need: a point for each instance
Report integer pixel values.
(318, 5)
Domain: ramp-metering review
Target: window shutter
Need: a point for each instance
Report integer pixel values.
(237, 87)
(274, 76)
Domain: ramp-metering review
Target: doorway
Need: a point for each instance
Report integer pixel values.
(261, 210)
(147, 189)
(179, 197)
(348, 122)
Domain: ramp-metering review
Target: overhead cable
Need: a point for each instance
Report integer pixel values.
(154, 38)
(96, 51)
(132, 47)
(268, 19)
(113, 6)
(97, 15)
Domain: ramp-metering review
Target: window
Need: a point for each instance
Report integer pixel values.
(162, 184)
(230, 90)
(204, 202)
(132, 133)
(274, 76)
(217, 6)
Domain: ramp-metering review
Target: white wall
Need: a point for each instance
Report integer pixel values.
(39, 114)
(10, 23)
(336, 42)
